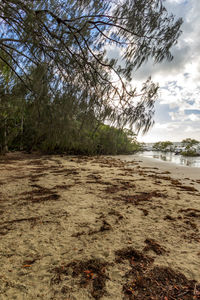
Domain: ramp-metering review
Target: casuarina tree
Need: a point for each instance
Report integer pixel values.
(70, 39)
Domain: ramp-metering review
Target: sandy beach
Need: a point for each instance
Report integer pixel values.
(98, 228)
(188, 175)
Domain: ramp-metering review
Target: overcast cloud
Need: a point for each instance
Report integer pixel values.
(178, 108)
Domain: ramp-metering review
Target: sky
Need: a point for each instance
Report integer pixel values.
(177, 109)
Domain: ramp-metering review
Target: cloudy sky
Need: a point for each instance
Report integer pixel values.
(178, 107)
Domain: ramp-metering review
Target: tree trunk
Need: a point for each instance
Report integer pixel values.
(21, 135)
(5, 146)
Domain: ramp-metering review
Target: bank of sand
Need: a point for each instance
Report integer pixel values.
(96, 228)
(187, 175)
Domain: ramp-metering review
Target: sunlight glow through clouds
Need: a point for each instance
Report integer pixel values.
(179, 80)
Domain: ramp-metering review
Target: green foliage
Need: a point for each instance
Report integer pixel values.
(110, 140)
(70, 38)
(189, 147)
(189, 153)
(63, 123)
(163, 146)
(57, 85)
(188, 143)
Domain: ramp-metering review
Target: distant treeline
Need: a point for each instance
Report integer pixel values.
(188, 147)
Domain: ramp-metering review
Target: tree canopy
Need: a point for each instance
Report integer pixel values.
(189, 143)
(163, 146)
(70, 37)
(58, 48)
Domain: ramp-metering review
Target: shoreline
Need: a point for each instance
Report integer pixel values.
(186, 174)
(96, 228)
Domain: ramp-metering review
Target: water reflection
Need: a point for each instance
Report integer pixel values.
(171, 157)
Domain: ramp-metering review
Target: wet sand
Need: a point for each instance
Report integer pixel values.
(186, 174)
(96, 228)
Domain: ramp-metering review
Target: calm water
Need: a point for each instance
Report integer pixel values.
(171, 157)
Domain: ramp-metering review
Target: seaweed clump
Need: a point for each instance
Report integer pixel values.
(145, 281)
(160, 283)
(91, 274)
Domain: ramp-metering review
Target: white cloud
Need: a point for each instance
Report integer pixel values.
(180, 79)
(177, 115)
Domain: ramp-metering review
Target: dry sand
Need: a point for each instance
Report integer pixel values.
(96, 228)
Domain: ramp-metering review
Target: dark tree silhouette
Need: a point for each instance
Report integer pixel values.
(71, 38)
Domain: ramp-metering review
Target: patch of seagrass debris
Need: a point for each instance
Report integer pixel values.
(145, 212)
(165, 172)
(169, 218)
(30, 261)
(21, 220)
(5, 161)
(193, 193)
(40, 194)
(95, 177)
(39, 169)
(152, 245)
(79, 233)
(63, 186)
(104, 227)
(117, 214)
(145, 172)
(158, 181)
(35, 177)
(66, 172)
(5, 227)
(141, 197)
(175, 182)
(50, 197)
(90, 274)
(151, 168)
(17, 177)
(38, 190)
(36, 162)
(98, 181)
(168, 178)
(159, 283)
(11, 158)
(191, 212)
(192, 225)
(187, 188)
(135, 258)
(121, 186)
(112, 188)
(194, 236)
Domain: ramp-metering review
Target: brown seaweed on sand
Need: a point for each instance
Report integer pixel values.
(91, 274)
(151, 244)
(141, 197)
(191, 212)
(134, 257)
(40, 194)
(145, 281)
(121, 186)
(188, 188)
(160, 283)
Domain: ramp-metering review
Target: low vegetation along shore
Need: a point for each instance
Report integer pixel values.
(96, 228)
